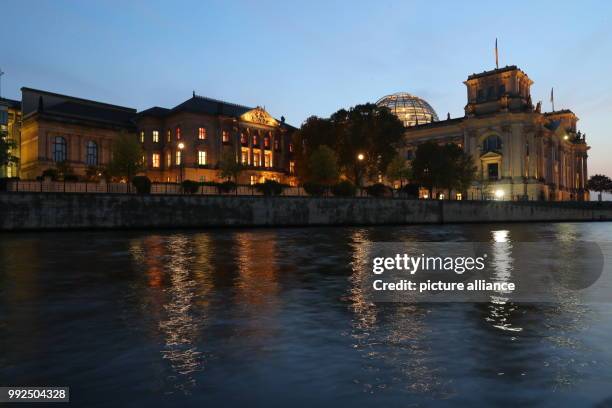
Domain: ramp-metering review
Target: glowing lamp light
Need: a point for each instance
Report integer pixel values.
(499, 194)
(565, 137)
(360, 156)
(181, 145)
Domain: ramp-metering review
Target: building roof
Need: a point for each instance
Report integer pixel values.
(202, 104)
(558, 112)
(155, 111)
(11, 103)
(93, 113)
(495, 71)
(76, 109)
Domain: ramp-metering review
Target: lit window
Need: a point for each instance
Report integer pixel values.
(156, 136)
(244, 157)
(142, 136)
(201, 133)
(178, 132)
(144, 160)
(253, 180)
(243, 139)
(256, 159)
(92, 154)
(168, 159)
(266, 142)
(254, 140)
(202, 157)
(60, 149)
(291, 167)
(268, 159)
(155, 160)
(168, 135)
(291, 147)
(178, 158)
(225, 136)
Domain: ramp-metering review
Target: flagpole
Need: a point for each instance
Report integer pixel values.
(496, 55)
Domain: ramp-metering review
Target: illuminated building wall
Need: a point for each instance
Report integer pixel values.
(520, 152)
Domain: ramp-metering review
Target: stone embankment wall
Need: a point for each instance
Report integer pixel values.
(42, 211)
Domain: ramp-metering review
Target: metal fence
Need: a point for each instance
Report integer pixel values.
(35, 186)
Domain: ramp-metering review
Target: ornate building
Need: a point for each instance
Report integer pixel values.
(188, 141)
(59, 128)
(185, 142)
(10, 121)
(520, 152)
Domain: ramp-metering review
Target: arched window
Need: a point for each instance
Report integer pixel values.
(92, 154)
(60, 149)
(492, 143)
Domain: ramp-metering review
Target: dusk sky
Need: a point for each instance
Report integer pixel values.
(311, 58)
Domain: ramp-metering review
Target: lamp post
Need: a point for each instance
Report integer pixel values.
(181, 146)
(360, 158)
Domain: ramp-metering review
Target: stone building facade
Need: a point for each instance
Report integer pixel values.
(10, 122)
(182, 143)
(519, 151)
(59, 128)
(188, 141)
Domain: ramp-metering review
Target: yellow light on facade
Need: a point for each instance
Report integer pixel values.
(360, 157)
(499, 194)
(565, 137)
(181, 145)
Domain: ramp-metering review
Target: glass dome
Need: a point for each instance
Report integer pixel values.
(410, 109)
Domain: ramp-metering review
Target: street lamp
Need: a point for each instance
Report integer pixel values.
(499, 194)
(181, 146)
(360, 158)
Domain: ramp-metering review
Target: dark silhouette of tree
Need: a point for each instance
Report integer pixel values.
(229, 167)
(369, 130)
(6, 147)
(323, 166)
(599, 183)
(127, 157)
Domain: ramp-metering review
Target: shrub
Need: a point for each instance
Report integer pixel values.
(378, 190)
(226, 186)
(4, 182)
(190, 186)
(50, 173)
(410, 190)
(314, 189)
(71, 177)
(142, 184)
(270, 188)
(344, 189)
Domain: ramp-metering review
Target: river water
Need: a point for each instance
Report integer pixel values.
(276, 317)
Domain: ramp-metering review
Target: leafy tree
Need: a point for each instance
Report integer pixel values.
(65, 171)
(364, 129)
(229, 167)
(323, 166)
(127, 157)
(599, 183)
(7, 146)
(398, 169)
(443, 167)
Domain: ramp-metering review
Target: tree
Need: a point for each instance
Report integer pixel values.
(443, 167)
(127, 158)
(599, 183)
(6, 148)
(323, 166)
(398, 169)
(229, 167)
(369, 130)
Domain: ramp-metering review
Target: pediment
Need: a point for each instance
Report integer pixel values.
(491, 155)
(259, 116)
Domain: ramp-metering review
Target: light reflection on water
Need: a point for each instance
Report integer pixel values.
(279, 317)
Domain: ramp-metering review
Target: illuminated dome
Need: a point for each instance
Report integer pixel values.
(410, 109)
